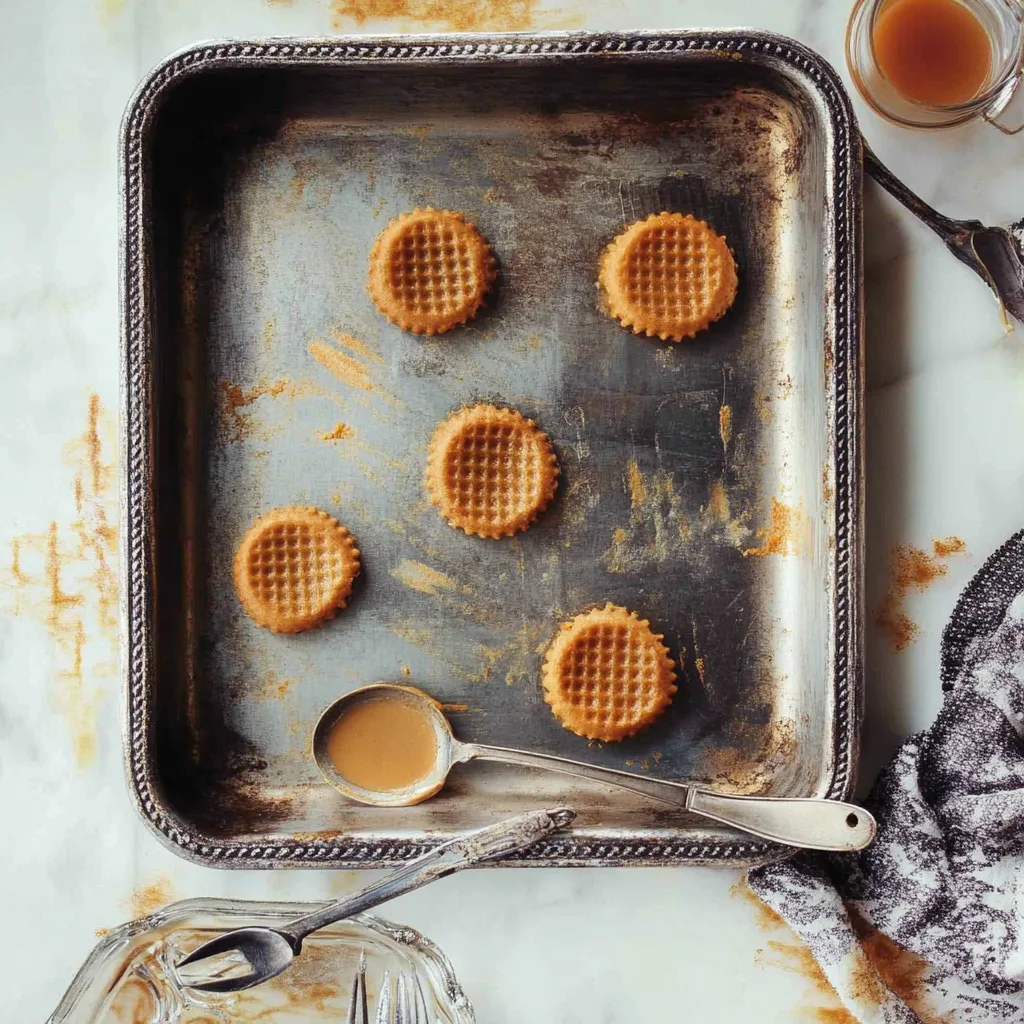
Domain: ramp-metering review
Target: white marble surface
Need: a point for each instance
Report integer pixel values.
(945, 415)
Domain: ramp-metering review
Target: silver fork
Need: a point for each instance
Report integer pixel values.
(401, 1003)
(246, 957)
(993, 253)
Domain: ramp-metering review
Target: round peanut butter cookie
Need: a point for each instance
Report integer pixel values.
(668, 276)
(607, 675)
(430, 270)
(490, 471)
(294, 569)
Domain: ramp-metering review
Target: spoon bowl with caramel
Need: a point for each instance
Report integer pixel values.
(389, 745)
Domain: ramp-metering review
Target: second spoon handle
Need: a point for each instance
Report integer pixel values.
(810, 823)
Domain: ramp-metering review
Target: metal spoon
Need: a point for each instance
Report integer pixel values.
(994, 254)
(247, 957)
(811, 823)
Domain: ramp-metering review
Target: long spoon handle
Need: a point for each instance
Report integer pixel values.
(488, 843)
(810, 823)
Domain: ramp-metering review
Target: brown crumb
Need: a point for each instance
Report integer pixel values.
(152, 897)
(453, 15)
(340, 432)
(911, 568)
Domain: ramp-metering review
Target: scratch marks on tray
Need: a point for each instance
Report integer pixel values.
(786, 533)
(514, 659)
(911, 568)
(658, 529)
(421, 577)
(717, 517)
(753, 753)
(452, 15)
(66, 578)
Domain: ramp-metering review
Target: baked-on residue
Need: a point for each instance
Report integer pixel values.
(490, 471)
(607, 674)
(668, 276)
(430, 270)
(294, 569)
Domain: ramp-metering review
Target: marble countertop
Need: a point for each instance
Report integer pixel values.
(945, 412)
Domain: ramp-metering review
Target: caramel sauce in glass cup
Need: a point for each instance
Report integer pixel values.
(937, 63)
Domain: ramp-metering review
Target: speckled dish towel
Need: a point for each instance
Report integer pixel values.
(945, 877)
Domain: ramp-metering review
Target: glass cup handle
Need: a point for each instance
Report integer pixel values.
(1003, 102)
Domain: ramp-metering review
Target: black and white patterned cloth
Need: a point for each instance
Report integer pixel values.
(945, 877)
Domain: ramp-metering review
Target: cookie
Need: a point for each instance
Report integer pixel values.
(430, 270)
(607, 675)
(490, 471)
(668, 276)
(294, 569)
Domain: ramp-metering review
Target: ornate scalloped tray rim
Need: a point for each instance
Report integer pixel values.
(579, 848)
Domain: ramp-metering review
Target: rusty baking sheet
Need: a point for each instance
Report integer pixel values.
(714, 486)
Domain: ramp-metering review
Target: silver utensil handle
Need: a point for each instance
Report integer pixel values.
(656, 789)
(811, 823)
(488, 843)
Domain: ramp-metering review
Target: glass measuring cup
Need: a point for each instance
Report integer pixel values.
(1003, 24)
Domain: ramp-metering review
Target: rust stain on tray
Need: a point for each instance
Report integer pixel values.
(783, 535)
(658, 529)
(65, 578)
(637, 488)
(725, 424)
(911, 568)
(238, 422)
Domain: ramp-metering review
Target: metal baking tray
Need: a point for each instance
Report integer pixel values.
(255, 177)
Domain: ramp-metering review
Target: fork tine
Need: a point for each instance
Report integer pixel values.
(404, 1014)
(420, 1003)
(357, 1009)
(385, 1002)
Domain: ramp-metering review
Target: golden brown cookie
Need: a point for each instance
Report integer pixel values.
(430, 270)
(668, 276)
(490, 471)
(607, 675)
(294, 569)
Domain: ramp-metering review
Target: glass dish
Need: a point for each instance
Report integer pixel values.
(129, 979)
